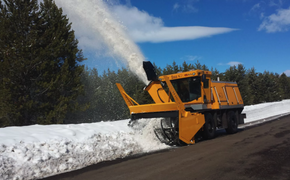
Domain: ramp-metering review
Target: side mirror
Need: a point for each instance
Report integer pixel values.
(203, 78)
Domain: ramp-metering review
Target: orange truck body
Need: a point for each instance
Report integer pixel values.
(197, 102)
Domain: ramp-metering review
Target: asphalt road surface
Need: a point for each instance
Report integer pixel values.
(260, 152)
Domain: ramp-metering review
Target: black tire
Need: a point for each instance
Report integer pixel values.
(232, 123)
(209, 127)
(180, 143)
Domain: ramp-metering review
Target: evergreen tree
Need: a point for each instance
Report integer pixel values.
(185, 67)
(158, 70)
(175, 67)
(167, 70)
(238, 74)
(270, 88)
(254, 85)
(39, 63)
(197, 65)
(89, 79)
(277, 94)
(284, 82)
(171, 69)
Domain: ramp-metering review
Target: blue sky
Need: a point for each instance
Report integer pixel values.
(255, 33)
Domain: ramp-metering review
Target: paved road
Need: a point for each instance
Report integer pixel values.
(260, 152)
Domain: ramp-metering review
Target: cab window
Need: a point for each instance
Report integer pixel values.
(188, 89)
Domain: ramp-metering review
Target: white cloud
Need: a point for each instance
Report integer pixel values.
(278, 22)
(258, 10)
(255, 7)
(231, 63)
(166, 34)
(187, 6)
(191, 58)
(287, 72)
(142, 27)
(134, 19)
(262, 15)
(234, 63)
(277, 3)
(176, 6)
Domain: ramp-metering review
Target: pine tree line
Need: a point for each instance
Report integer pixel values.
(103, 98)
(106, 103)
(42, 81)
(39, 64)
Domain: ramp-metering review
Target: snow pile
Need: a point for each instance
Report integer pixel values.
(265, 110)
(37, 151)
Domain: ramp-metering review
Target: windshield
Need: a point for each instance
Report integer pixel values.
(188, 89)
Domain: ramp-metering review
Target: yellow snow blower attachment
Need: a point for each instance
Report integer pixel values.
(192, 105)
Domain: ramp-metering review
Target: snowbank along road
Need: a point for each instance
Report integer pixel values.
(37, 151)
(257, 152)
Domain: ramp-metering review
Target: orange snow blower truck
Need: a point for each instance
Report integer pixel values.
(191, 105)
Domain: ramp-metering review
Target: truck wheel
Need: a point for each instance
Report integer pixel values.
(209, 127)
(232, 123)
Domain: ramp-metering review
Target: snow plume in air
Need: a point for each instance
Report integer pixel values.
(94, 15)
